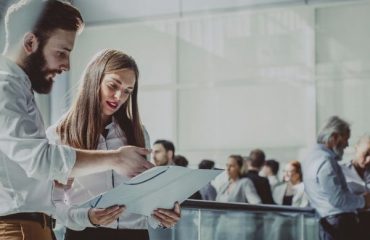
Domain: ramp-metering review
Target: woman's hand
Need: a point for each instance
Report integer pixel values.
(168, 217)
(105, 216)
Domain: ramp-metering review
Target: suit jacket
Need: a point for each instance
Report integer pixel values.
(262, 186)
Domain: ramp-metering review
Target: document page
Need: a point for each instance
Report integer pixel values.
(158, 187)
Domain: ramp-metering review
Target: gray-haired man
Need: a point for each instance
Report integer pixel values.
(326, 186)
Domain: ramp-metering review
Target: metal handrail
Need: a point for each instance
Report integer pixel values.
(212, 205)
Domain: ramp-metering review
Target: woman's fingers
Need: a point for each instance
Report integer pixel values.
(105, 216)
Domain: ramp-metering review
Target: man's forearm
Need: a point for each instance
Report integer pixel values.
(92, 161)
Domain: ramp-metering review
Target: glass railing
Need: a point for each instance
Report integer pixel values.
(204, 220)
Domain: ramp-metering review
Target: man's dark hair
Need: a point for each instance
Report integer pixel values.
(168, 145)
(206, 164)
(180, 160)
(41, 18)
(274, 165)
(257, 158)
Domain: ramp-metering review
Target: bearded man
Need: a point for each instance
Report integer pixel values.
(40, 36)
(326, 187)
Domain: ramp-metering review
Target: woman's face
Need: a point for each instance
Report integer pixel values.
(233, 169)
(115, 89)
(362, 155)
(291, 174)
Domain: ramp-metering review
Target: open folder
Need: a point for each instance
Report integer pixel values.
(158, 187)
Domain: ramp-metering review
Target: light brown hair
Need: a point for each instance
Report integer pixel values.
(83, 124)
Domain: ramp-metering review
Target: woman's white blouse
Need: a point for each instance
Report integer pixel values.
(86, 187)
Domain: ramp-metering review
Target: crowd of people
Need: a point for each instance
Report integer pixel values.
(337, 191)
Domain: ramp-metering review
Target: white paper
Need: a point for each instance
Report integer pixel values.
(158, 187)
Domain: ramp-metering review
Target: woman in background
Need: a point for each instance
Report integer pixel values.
(240, 190)
(291, 191)
(237, 189)
(105, 115)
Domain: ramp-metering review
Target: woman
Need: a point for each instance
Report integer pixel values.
(291, 191)
(105, 115)
(237, 189)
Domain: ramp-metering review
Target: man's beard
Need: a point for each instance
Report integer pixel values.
(33, 66)
(339, 151)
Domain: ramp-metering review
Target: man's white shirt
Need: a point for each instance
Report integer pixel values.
(28, 163)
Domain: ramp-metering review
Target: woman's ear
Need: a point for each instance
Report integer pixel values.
(30, 43)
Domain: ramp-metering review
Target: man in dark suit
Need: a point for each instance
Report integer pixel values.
(257, 160)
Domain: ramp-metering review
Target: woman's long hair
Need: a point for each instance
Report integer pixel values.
(83, 123)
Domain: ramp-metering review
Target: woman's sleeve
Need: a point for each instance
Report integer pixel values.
(73, 217)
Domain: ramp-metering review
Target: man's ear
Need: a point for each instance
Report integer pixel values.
(333, 139)
(30, 43)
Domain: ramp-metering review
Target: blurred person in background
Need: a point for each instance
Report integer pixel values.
(291, 191)
(357, 174)
(262, 185)
(237, 189)
(163, 152)
(180, 160)
(208, 192)
(270, 170)
(240, 190)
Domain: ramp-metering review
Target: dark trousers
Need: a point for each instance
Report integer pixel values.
(107, 234)
(364, 217)
(342, 226)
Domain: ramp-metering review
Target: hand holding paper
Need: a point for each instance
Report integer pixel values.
(131, 161)
(105, 216)
(168, 218)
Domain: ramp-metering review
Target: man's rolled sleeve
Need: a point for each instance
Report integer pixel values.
(63, 160)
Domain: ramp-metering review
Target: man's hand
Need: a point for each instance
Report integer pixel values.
(64, 186)
(105, 216)
(168, 217)
(131, 161)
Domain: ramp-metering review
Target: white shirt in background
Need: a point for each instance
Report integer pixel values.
(242, 190)
(355, 183)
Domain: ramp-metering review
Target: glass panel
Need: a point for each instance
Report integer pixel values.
(211, 224)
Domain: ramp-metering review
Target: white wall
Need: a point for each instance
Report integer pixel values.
(222, 83)
(343, 65)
